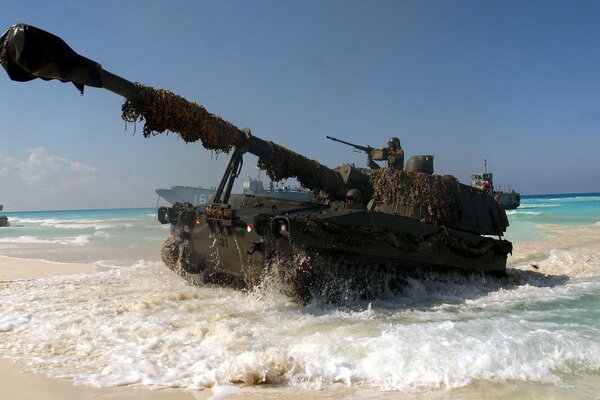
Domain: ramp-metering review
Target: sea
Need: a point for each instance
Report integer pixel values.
(533, 335)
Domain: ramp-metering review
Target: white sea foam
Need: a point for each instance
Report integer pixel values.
(575, 199)
(519, 212)
(142, 324)
(541, 205)
(70, 223)
(79, 240)
(88, 225)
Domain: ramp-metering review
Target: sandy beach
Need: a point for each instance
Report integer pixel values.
(14, 268)
(17, 384)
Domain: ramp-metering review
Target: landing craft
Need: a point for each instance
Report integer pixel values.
(504, 194)
(363, 230)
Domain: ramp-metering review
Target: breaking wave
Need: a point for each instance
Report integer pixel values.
(79, 240)
(541, 205)
(97, 224)
(143, 325)
(517, 212)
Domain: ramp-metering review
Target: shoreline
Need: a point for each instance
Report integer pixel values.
(12, 269)
(19, 384)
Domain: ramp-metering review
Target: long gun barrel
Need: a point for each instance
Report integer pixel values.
(366, 149)
(27, 53)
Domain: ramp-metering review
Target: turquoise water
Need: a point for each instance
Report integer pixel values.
(527, 222)
(120, 236)
(569, 209)
(533, 335)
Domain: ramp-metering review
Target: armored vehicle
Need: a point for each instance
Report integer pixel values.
(364, 229)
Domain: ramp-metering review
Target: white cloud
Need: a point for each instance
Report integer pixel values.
(5, 163)
(41, 167)
(45, 173)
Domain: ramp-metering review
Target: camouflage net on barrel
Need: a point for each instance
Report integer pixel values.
(283, 163)
(162, 110)
(439, 195)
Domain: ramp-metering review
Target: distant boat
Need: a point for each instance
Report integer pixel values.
(201, 196)
(3, 218)
(504, 194)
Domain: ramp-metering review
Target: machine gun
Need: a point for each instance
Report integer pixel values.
(372, 153)
(366, 149)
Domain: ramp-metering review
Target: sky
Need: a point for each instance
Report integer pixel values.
(513, 82)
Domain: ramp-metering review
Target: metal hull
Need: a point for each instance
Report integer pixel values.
(343, 244)
(510, 200)
(504, 194)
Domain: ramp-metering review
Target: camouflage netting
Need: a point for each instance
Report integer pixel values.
(356, 236)
(163, 111)
(283, 163)
(439, 195)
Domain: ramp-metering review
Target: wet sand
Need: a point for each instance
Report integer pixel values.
(15, 384)
(14, 269)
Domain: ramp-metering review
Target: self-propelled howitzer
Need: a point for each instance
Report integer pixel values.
(364, 229)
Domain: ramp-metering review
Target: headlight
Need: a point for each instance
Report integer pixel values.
(280, 227)
(164, 215)
(283, 229)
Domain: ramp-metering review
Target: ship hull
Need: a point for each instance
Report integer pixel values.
(195, 195)
(509, 200)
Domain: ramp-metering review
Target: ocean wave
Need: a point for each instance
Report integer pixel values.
(582, 261)
(144, 325)
(97, 224)
(519, 212)
(575, 199)
(79, 240)
(573, 262)
(539, 205)
(82, 225)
